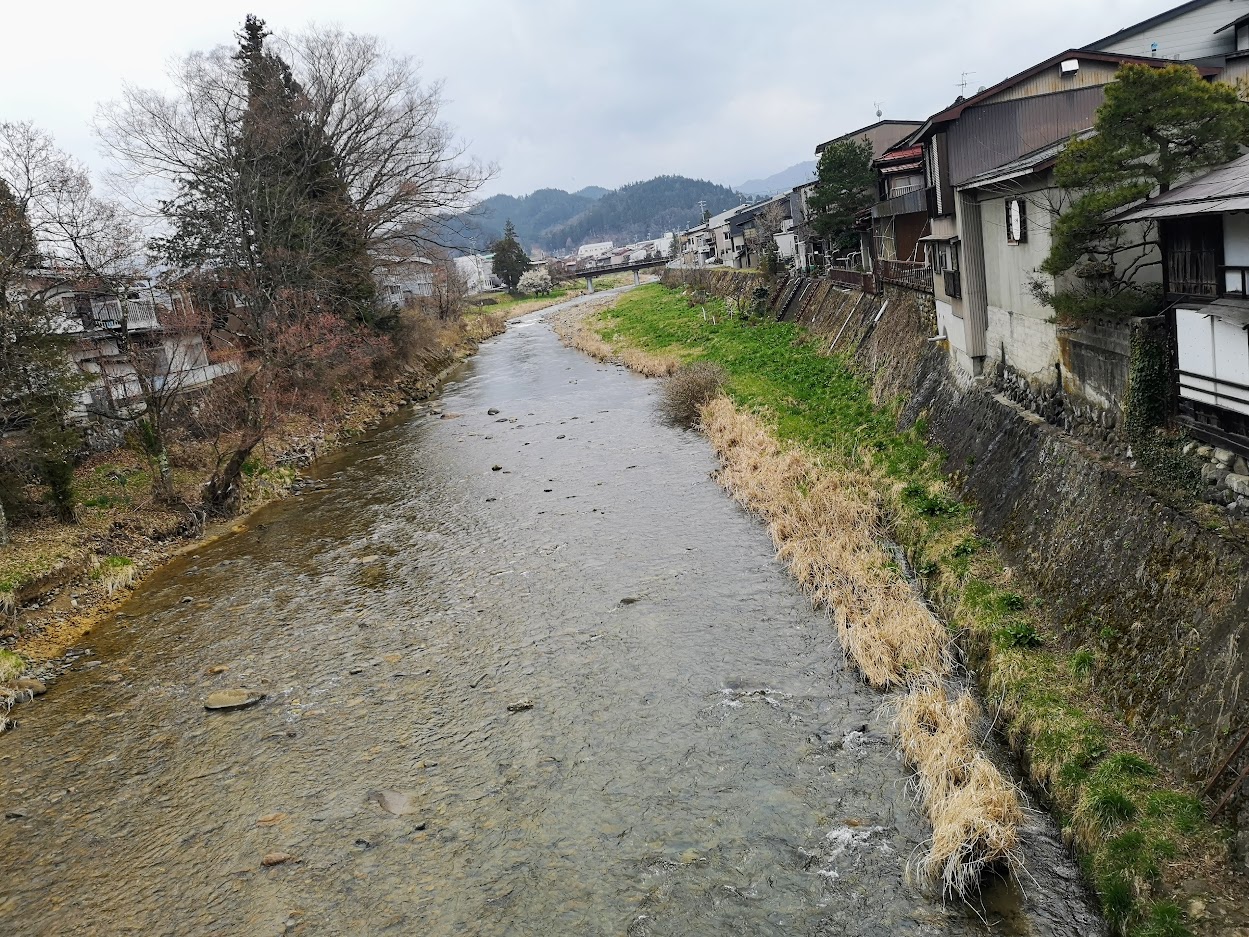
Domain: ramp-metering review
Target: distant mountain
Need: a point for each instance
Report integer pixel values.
(531, 214)
(782, 181)
(555, 220)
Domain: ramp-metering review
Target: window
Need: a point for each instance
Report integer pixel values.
(1016, 221)
(946, 256)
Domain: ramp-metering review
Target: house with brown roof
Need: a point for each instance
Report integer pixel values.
(991, 199)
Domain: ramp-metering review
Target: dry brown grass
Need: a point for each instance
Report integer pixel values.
(647, 363)
(688, 389)
(826, 525)
(974, 810)
(576, 335)
(573, 332)
(479, 328)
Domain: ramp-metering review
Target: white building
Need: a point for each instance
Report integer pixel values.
(158, 325)
(404, 280)
(477, 270)
(595, 251)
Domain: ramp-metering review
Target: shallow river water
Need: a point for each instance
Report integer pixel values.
(697, 758)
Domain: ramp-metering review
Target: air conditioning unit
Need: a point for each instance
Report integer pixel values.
(1069, 67)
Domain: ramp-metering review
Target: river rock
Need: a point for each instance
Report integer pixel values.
(394, 802)
(1237, 483)
(520, 706)
(276, 858)
(496, 468)
(232, 699)
(493, 411)
(30, 685)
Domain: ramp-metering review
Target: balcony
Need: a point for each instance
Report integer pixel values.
(907, 203)
(953, 284)
(853, 279)
(911, 274)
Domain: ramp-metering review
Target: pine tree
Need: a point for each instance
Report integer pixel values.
(845, 185)
(510, 262)
(1155, 126)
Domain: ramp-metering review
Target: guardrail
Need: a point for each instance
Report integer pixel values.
(854, 279)
(908, 273)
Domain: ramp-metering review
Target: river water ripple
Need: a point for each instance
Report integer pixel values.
(697, 758)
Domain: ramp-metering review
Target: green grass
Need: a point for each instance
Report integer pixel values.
(110, 565)
(1129, 823)
(11, 665)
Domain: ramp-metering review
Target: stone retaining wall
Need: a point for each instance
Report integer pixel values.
(1163, 597)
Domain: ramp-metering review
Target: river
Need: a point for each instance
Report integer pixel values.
(697, 758)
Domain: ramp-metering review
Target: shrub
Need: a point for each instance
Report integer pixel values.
(535, 281)
(687, 390)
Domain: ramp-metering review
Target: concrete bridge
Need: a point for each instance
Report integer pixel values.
(636, 266)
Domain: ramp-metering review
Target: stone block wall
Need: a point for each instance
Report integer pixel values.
(1164, 597)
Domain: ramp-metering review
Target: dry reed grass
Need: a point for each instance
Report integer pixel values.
(974, 810)
(688, 389)
(826, 524)
(573, 332)
(648, 364)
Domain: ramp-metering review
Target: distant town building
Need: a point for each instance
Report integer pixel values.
(595, 251)
(477, 270)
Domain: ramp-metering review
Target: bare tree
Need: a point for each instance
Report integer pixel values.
(761, 235)
(450, 289)
(92, 245)
(274, 172)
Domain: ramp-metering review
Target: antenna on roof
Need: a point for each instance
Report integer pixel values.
(962, 84)
(879, 112)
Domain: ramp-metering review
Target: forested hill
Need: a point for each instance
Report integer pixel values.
(556, 220)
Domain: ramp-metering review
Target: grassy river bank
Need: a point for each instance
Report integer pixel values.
(1158, 866)
(57, 580)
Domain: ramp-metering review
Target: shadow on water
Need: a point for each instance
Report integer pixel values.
(606, 708)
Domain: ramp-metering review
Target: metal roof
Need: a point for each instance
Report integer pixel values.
(1233, 24)
(1024, 165)
(955, 110)
(1223, 190)
(1152, 21)
(912, 124)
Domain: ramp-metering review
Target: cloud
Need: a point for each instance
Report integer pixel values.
(567, 94)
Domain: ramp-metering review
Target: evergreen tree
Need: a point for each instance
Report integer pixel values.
(1155, 126)
(845, 184)
(510, 262)
(281, 210)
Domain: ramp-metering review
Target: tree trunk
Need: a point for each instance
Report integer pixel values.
(4, 527)
(158, 460)
(223, 494)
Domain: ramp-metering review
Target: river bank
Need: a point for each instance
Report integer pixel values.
(524, 671)
(58, 581)
(1158, 866)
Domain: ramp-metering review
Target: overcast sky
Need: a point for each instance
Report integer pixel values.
(568, 94)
